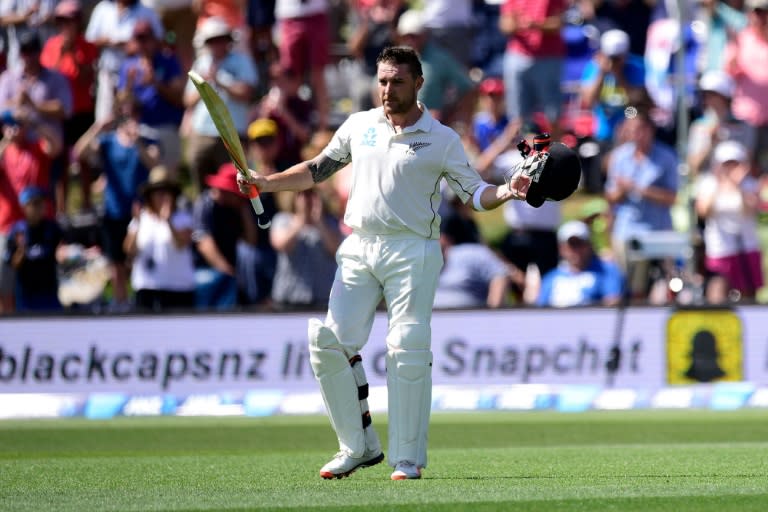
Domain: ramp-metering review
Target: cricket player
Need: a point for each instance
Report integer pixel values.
(399, 154)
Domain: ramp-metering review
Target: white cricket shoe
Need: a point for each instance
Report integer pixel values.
(405, 470)
(343, 465)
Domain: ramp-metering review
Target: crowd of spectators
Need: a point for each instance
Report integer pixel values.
(107, 153)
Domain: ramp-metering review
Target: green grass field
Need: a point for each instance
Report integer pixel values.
(679, 461)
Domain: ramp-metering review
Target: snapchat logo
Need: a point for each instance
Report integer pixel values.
(704, 346)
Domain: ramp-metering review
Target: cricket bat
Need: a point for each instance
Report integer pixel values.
(226, 128)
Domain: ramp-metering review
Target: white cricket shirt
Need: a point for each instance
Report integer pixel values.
(395, 186)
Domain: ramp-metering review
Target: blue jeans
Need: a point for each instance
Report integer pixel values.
(37, 302)
(215, 290)
(533, 85)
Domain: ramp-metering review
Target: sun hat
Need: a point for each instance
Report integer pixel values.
(717, 81)
(212, 28)
(224, 179)
(752, 5)
(161, 178)
(614, 43)
(410, 22)
(729, 151)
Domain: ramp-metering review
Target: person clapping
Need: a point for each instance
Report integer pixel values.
(159, 243)
(306, 240)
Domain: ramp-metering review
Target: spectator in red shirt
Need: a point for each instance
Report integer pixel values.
(41, 93)
(305, 42)
(10, 213)
(71, 55)
(27, 150)
(533, 58)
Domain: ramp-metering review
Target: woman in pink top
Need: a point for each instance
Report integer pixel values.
(746, 59)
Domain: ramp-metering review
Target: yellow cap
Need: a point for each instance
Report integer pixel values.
(262, 128)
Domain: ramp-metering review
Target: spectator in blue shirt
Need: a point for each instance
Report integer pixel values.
(609, 81)
(641, 187)
(233, 74)
(642, 180)
(153, 77)
(125, 159)
(582, 278)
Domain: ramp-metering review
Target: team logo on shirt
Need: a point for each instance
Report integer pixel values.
(413, 147)
(369, 137)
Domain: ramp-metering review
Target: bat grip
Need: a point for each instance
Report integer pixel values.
(253, 195)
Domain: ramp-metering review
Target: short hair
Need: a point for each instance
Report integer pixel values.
(401, 55)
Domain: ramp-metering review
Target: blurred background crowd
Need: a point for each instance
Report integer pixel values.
(117, 195)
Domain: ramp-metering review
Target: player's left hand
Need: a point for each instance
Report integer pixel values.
(515, 187)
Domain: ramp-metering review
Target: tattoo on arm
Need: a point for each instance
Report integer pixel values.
(323, 168)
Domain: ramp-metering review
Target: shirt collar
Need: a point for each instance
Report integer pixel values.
(423, 124)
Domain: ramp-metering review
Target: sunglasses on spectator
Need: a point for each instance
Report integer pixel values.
(577, 242)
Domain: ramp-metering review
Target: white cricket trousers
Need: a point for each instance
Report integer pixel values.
(403, 270)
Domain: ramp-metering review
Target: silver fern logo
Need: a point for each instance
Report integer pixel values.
(413, 147)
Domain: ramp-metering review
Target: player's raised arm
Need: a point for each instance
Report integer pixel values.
(301, 176)
(549, 172)
(493, 196)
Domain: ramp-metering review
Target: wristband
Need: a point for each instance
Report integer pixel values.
(476, 197)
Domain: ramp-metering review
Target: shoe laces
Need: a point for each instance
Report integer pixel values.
(341, 454)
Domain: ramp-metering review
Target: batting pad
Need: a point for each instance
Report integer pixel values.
(338, 387)
(409, 383)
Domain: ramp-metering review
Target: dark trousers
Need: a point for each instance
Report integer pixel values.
(164, 300)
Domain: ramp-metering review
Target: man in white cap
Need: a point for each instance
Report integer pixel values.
(448, 91)
(716, 123)
(233, 74)
(582, 278)
(609, 81)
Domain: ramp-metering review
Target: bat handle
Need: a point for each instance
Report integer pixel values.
(253, 195)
